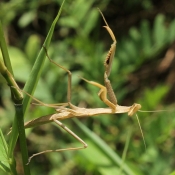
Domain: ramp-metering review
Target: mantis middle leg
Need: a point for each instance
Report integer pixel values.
(69, 75)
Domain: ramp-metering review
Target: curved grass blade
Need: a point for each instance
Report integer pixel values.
(105, 149)
(38, 65)
(32, 82)
(3, 156)
(4, 50)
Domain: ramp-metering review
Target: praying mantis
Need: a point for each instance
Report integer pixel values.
(68, 110)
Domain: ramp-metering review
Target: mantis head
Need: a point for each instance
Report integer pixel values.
(134, 108)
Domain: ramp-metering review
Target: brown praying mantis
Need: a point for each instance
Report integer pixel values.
(68, 110)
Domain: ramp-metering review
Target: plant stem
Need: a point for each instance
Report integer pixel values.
(4, 50)
(22, 137)
(17, 96)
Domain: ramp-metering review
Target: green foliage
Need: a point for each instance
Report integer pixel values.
(20, 107)
(151, 98)
(144, 43)
(81, 48)
(4, 157)
(173, 173)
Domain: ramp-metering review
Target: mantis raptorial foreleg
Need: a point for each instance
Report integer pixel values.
(111, 52)
(108, 63)
(102, 93)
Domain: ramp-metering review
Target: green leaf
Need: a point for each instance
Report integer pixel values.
(131, 50)
(171, 32)
(39, 63)
(101, 149)
(27, 18)
(103, 164)
(146, 37)
(19, 63)
(32, 47)
(4, 165)
(4, 50)
(152, 97)
(32, 82)
(159, 33)
(173, 173)
(92, 19)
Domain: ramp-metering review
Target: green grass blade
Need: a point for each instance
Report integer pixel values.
(32, 82)
(173, 173)
(3, 156)
(4, 50)
(108, 152)
(22, 138)
(6, 164)
(39, 63)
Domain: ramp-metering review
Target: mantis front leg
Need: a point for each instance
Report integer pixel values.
(108, 64)
(102, 93)
(110, 90)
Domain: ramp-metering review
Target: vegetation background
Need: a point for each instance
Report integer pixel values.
(142, 72)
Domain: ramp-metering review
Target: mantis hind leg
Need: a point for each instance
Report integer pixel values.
(64, 149)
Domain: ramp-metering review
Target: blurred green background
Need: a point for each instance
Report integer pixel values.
(142, 72)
